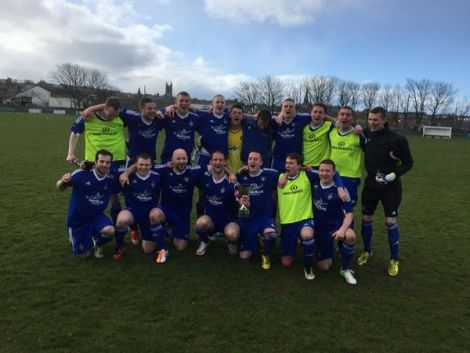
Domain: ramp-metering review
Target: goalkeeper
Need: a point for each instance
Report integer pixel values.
(387, 157)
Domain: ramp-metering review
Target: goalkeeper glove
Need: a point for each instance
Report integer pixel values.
(385, 179)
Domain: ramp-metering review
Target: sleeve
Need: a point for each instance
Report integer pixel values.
(303, 118)
(313, 176)
(405, 157)
(362, 141)
(338, 180)
(129, 116)
(78, 126)
(347, 207)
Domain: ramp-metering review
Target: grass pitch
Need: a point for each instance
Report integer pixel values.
(53, 302)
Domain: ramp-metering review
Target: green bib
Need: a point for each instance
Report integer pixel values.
(108, 135)
(295, 200)
(316, 146)
(347, 153)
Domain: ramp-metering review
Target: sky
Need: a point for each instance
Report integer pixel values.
(209, 46)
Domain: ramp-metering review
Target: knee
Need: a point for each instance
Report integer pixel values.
(245, 255)
(180, 244)
(324, 265)
(156, 216)
(367, 218)
(108, 231)
(202, 223)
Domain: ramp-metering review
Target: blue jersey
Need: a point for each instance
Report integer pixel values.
(261, 189)
(214, 131)
(258, 140)
(179, 133)
(329, 209)
(142, 193)
(90, 196)
(219, 197)
(177, 188)
(142, 134)
(288, 136)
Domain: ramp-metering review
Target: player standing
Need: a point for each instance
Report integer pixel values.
(387, 157)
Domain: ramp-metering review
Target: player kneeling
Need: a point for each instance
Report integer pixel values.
(333, 218)
(220, 207)
(141, 196)
(86, 222)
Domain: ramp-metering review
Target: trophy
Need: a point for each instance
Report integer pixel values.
(244, 211)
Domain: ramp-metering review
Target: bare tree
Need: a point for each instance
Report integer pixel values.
(271, 91)
(321, 88)
(386, 96)
(461, 111)
(296, 91)
(369, 92)
(442, 95)
(347, 93)
(419, 93)
(248, 93)
(83, 84)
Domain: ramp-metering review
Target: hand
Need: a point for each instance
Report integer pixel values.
(244, 200)
(385, 179)
(343, 194)
(279, 118)
(66, 178)
(340, 234)
(358, 129)
(232, 178)
(170, 111)
(124, 179)
(243, 169)
(281, 183)
(160, 115)
(71, 158)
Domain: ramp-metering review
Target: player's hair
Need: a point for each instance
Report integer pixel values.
(103, 153)
(143, 155)
(218, 151)
(320, 104)
(144, 101)
(256, 151)
(288, 100)
(379, 110)
(296, 156)
(237, 106)
(217, 96)
(346, 107)
(329, 162)
(264, 115)
(183, 93)
(113, 102)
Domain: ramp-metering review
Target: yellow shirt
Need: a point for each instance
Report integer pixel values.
(235, 150)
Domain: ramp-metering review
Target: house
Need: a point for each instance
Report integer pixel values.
(42, 94)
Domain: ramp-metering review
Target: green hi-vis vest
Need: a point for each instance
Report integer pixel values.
(347, 153)
(295, 200)
(108, 135)
(316, 146)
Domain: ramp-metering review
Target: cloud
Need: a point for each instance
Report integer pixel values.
(283, 12)
(109, 35)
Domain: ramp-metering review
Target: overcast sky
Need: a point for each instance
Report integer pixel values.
(209, 46)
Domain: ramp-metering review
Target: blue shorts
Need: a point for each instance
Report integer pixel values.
(81, 237)
(249, 232)
(289, 235)
(352, 185)
(178, 221)
(220, 222)
(141, 219)
(325, 241)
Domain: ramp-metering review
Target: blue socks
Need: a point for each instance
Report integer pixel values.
(347, 253)
(158, 232)
(120, 234)
(269, 240)
(393, 240)
(366, 231)
(308, 247)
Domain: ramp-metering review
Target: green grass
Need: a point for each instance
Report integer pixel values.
(53, 302)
